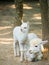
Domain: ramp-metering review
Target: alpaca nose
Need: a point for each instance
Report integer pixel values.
(30, 51)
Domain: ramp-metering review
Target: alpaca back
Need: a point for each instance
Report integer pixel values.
(18, 34)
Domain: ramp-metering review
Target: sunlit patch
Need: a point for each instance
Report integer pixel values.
(37, 14)
(12, 6)
(45, 53)
(38, 4)
(6, 33)
(27, 7)
(5, 27)
(6, 40)
(44, 49)
(37, 17)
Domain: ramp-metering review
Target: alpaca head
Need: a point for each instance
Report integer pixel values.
(25, 27)
(35, 45)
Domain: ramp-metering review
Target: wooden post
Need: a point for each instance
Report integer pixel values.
(19, 12)
(45, 20)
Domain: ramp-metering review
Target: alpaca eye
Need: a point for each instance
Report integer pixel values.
(25, 27)
(35, 46)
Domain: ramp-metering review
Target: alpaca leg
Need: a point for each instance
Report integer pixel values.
(21, 52)
(17, 49)
(25, 50)
(25, 57)
(14, 46)
(39, 57)
(21, 56)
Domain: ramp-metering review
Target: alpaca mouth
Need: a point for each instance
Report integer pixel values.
(34, 60)
(22, 31)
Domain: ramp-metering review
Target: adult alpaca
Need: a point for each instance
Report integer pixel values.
(34, 51)
(20, 34)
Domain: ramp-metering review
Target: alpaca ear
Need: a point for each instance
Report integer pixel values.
(27, 22)
(22, 21)
(44, 42)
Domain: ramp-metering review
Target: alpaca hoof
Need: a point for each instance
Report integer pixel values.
(21, 60)
(15, 55)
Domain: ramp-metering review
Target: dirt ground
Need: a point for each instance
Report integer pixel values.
(31, 13)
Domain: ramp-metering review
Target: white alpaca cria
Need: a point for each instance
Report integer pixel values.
(34, 51)
(20, 34)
